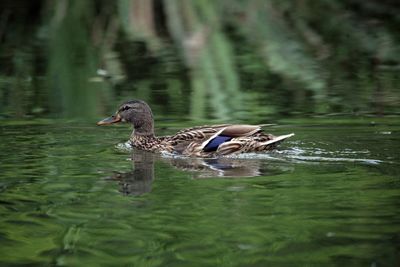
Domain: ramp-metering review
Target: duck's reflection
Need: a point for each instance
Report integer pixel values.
(139, 180)
(217, 167)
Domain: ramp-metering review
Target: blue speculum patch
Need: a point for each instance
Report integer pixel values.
(216, 142)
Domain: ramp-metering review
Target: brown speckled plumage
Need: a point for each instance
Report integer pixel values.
(195, 141)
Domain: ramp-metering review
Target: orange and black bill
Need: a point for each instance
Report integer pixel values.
(110, 120)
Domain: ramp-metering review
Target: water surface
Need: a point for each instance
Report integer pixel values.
(70, 194)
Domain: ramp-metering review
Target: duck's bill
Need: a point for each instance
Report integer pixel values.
(110, 120)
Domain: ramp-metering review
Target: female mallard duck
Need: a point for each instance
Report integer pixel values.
(200, 141)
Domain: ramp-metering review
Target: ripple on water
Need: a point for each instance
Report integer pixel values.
(324, 155)
(303, 154)
(124, 146)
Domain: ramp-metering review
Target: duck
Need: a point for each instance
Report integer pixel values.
(207, 141)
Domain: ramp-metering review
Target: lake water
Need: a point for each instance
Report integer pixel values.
(71, 194)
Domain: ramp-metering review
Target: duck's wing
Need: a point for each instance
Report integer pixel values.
(179, 142)
(198, 137)
(248, 144)
(205, 132)
(240, 130)
(234, 130)
(198, 132)
(207, 139)
(223, 139)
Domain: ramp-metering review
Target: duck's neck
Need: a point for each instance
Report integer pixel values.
(143, 129)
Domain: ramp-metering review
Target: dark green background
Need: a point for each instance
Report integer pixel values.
(202, 59)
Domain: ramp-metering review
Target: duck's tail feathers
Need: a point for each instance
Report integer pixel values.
(271, 144)
(267, 125)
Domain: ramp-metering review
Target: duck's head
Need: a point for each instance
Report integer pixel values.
(136, 112)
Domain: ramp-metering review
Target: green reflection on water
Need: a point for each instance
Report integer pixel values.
(329, 196)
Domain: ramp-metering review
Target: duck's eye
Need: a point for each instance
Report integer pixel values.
(125, 108)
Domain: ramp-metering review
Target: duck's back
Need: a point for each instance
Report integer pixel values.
(211, 140)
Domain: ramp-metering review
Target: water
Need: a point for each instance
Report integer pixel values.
(71, 194)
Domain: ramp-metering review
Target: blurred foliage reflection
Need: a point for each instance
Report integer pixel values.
(202, 59)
